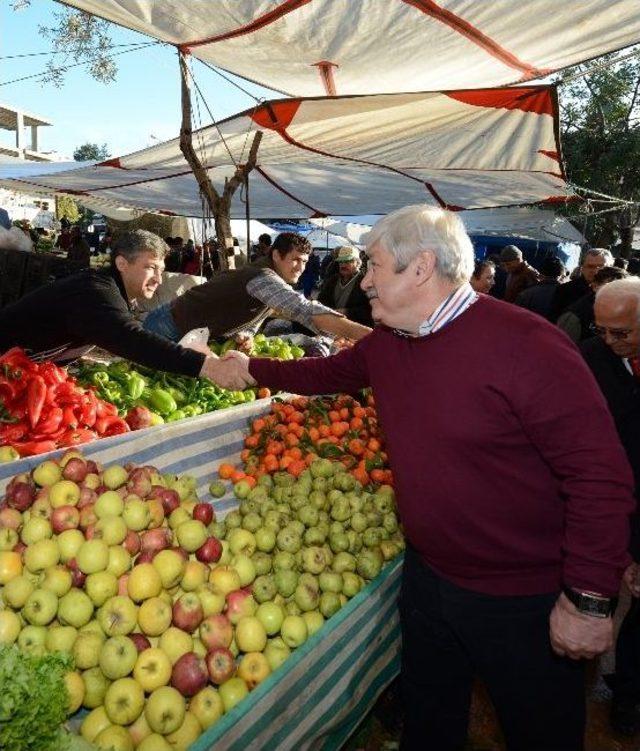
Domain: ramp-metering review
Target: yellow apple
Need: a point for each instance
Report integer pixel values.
(144, 582)
(152, 669)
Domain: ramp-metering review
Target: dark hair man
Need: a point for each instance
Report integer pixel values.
(483, 277)
(538, 298)
(237, 303)
(64, 319)
(592, 261)
(342, 292)
(519, 274)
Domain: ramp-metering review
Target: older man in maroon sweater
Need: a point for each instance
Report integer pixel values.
(512, 486)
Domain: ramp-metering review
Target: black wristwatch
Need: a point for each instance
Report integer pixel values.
(591, 603)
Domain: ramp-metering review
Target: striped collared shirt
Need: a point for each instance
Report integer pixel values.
(453, 306)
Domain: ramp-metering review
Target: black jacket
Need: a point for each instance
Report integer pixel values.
(89, 308)
(358, 307)
(622, 392)
(566, 295)
(538, 298)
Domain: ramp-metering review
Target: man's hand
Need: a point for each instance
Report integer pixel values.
(230, 373)
(244, 342)
(631, 578)
(576, 635)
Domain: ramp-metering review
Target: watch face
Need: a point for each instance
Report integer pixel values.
(597, 606)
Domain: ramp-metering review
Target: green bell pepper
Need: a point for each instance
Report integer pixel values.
(162, 402)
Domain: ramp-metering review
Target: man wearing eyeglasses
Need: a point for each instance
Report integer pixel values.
(614, 358)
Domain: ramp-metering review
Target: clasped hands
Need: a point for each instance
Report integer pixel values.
(230, 372)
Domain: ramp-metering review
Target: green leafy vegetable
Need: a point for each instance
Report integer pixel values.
(33, 700)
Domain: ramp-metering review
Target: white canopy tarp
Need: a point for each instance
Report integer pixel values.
(346, 155)
(540, 225)
(311, 47)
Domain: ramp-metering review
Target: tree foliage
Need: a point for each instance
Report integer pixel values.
(91, 152)
(68, 208)
(600, 122)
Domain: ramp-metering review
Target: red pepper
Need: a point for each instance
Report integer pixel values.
(52, 373)
(16, 357)
(69, 419)
(105, 409)
(51, 423)
(118, 426)
(88, 414)
(29, 448)
(74, 437)
(10, 432)
(36, 394)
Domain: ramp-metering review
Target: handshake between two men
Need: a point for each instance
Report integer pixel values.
(229, 372)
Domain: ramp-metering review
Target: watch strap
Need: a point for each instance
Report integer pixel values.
(591, 603)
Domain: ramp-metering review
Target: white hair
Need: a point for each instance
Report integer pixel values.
(620, 288)
(600, 252)
(408, 231)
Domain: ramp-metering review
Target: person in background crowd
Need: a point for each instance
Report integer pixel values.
(512, 486)
(310, 275)
(173, 261)
(592, 261)
(634, 266)
(343, 292)
(621, 263)
(519, 274)
(79, 249)
(262, 249)
(614, 359)
(237, 303)
(64, 238)
(538, 298)
(577, 321)
(63, 320)
(483, 277)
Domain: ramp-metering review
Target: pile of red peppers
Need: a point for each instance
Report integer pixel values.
(42, 408)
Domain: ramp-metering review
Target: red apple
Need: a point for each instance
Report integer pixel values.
(132, 542)
(138, 418)
(93, 468)
(216, 631)
(10, 517)
(64, 517)
(220, 664)
(187, 612)
(139, 482)
(19, 547)
(75, 469)
(189, 674)
(87, 497)
(145, 557)
(169, 498)
(237, 605)
(156, 539)
(123, 588)
(141, 642)
(203, 512)
(90, 531)
(77, 577)
(181, 552)
(20, 496)
(210, 551)
(88, 516)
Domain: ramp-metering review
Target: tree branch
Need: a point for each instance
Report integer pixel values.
(632, 105)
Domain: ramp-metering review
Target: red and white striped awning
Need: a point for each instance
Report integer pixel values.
(347, 155)
(312, 47)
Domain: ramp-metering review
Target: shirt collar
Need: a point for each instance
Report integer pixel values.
(450, 308)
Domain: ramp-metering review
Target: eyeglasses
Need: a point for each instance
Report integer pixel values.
(617, 334)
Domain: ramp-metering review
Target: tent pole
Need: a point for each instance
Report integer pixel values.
(247, 215)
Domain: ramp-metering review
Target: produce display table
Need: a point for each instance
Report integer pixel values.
(317, 699)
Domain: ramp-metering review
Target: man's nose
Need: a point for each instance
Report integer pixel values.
(366, 280)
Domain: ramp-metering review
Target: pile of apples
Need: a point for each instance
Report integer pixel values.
(171, 615)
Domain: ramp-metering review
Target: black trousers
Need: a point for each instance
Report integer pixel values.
(626, 682)
(450, 635)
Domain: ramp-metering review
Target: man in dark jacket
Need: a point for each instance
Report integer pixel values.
(593, 260)
(519, 274)
(63, 320)
(538, 298)
(342, 292)
(614, 359)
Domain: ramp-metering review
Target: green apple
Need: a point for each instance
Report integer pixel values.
(174, 643)
(294, 631)
(262, 563)
(212, 602)
(69, 542)
(75, 690)
(118, 616)
(136, 514)
(113, 738)
(96, 684)
(170, 565)
(9, 626)
(57, 579)
(92, 556)
(251, 635)
(100, 587)
(245, 568)
(32, 639)
(41, 555)
(242, 541)
(232, 692)
(271, 615)
(154, 616)
(152, 669)
(283, 561)
(8, 538)
(178, 517)
(9, 454)
(195, 575)
(265, 539)
(47, 473)
(35, 529)
(114, 477)
(187, 733)
(75, 608)
(224, 579)
(276, 652)
(154, 742)
(109, 503)
(86, 650)
(264, 588)
(16, 591)
(64, 493)
(61, 638)
(286, 581)
(351, 583)
(119, 561)
(165, 710)
(118, 657)
(40, 608)
(144, 582)
(111, 529)
(191, 535)
(94, 723)
(124, 700)
(207, 706)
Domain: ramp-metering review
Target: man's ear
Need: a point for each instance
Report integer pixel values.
(425, 266)
(120, 263)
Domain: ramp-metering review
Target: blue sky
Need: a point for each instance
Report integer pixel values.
(140, 106)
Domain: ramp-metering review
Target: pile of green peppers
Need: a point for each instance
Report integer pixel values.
(167, 396)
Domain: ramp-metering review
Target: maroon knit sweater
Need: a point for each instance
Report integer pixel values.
(510, 476)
